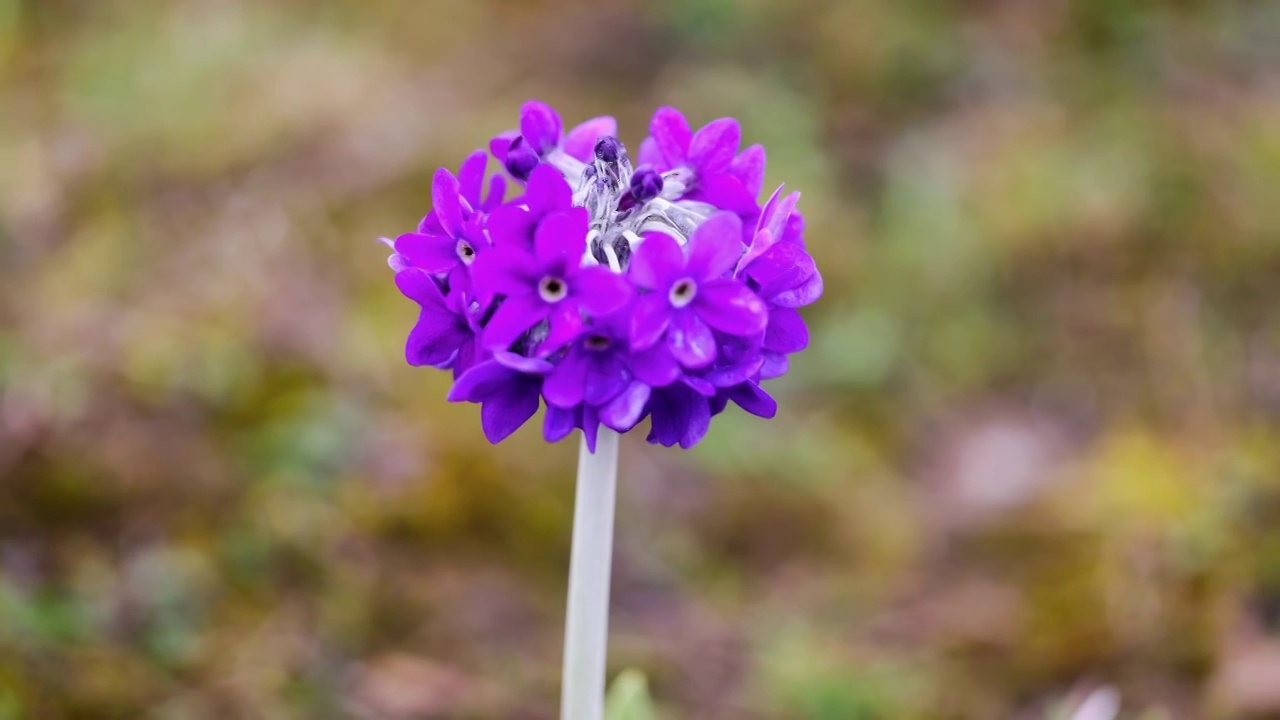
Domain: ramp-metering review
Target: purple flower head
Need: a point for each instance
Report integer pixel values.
(610, 294)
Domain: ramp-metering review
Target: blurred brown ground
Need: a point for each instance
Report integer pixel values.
(1033, 450)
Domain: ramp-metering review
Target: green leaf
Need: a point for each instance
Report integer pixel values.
(628, 697)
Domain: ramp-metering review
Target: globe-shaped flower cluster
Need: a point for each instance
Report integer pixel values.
(610, 291)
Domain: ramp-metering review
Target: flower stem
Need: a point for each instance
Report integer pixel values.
(586, 628)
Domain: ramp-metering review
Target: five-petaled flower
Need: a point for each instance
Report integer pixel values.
(612, 293)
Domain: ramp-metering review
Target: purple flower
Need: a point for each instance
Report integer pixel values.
(612, 293)
(549, 283)
(689, 296)
(546, 193)
(706, 163)
(451, 236)
(507, 388)
(445, 334)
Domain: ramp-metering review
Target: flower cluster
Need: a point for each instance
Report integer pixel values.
(613, 292)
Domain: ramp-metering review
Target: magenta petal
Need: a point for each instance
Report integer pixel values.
(649, 320)
(787, 332)
(650, 155)
(565, 324)
(565, 387)
(540, 125)
(418, 286)
(511, 225)
(499, 145)
(504, 413)
(445, 201)
(515, 316)
(497, 193)
(690, 340)
(781, 212)
(558, 423)
(655, 366)
(624, 411)
(724, 192)
(748, 168)
(714, 248)
(547, 191)
(731, 307)
(471, 177)
(580, 143)
(509, 272)
(714, 146)
(600, 291)
(671, 133)
(656, 262)
(561, 238)
(433, 253)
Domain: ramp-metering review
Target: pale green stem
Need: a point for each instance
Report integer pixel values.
(586, 629)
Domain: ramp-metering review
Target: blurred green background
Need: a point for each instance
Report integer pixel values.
(1033, 451)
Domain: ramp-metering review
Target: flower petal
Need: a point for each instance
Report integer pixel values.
(507, 272)
(748, 168)
(600, 291)
(649, 321)
(657, 262)
(606, 376)
(471, 177)
(580, 143)
(714, 146)
(750, 397)
(540, 125)
(499, 145)
(724, 192)
(565, 387)
(775, 365)
(419, 287)
(731, 307)
(787, 332)
(434, 339)
(806, 293)
(624, 411)
(445, 201)
(433, 253)
(480, 382)
(690, 340)
(504, 412)
(565, 324)
(672, 135)
(509, 225)
(497, 193)
(547, 191)
(715, 246)
(558, 423)
(516, 315)
(655, 366)
(561, 238)
(650, 155)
